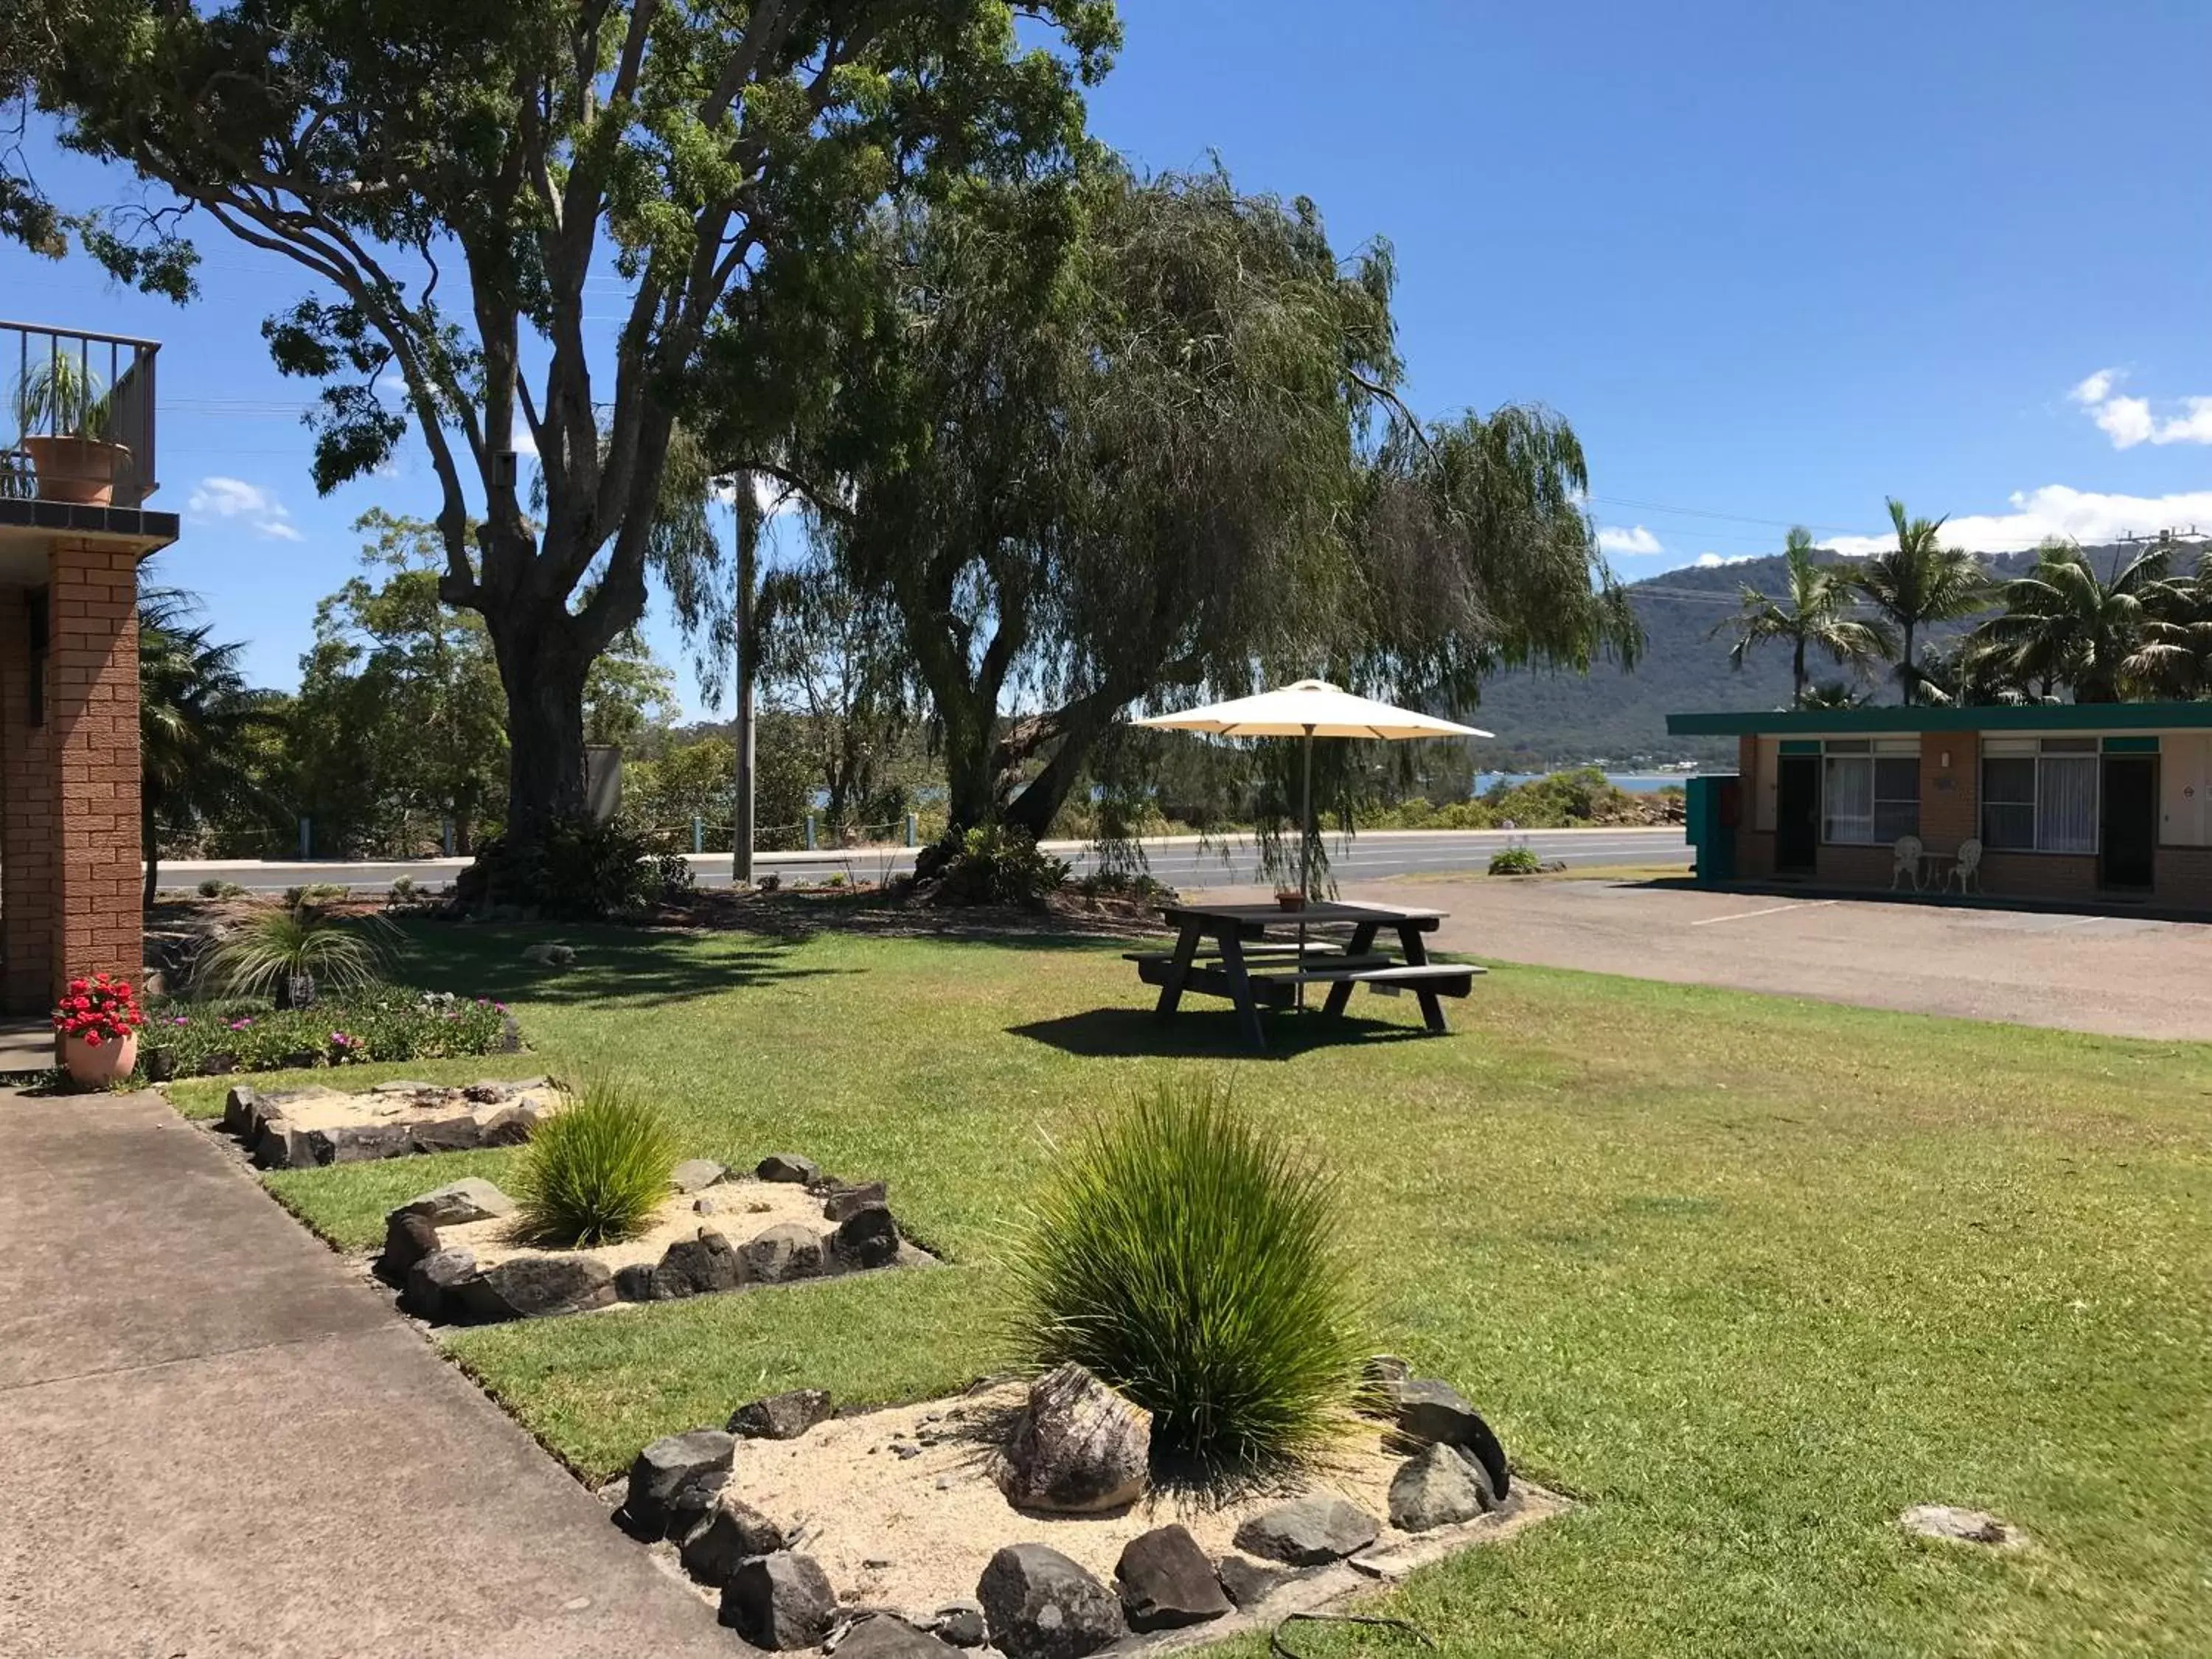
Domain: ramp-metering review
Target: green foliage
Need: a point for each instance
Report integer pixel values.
(293, 942)
(61, 395)
(1814, 614)
(1518, 860)
(999, 864)
(1918, 582)
(1558, 801)
(314, 893)
(1195, 1261)
(215, 887)
(576, 872)
(597, 1170)
(181, 1038)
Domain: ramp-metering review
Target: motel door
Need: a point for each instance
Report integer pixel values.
(1797, 814)
(2130, 827)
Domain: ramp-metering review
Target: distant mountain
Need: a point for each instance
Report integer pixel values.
(1545, 720)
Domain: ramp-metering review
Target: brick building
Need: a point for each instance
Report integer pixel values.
(70, 868)
(2097, 803)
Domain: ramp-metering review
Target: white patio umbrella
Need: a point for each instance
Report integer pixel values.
(1310, 709)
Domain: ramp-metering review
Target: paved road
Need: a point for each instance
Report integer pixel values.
(1181, 861)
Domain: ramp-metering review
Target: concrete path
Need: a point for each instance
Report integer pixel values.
(219, 1442)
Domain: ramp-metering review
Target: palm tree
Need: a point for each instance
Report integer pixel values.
(2173, 657)
(1920, 582)
(1814, 613)
(196, 719)
(2063, 624)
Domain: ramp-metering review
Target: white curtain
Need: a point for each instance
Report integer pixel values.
(1850, 799)
(2066, 805)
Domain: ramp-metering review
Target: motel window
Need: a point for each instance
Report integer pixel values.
(2039, 795)
(1871, 798)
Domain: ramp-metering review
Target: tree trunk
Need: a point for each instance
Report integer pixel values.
(542, 665)
(741, 863)
(1905, 676)
(149, 842)
(1797, 674)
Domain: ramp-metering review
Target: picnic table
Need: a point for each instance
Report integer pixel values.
(1227, 951)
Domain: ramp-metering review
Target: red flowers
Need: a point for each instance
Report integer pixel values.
(101, 1009)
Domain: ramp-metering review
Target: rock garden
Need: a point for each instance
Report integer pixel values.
(304, 1129)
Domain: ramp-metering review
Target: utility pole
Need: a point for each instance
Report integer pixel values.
(745, 506)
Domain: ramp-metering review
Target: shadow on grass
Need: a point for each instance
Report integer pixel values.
(1205, 1033)
(614, 966)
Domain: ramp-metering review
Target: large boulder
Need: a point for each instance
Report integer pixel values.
(1040, 1605)
(697, 1267)
(538, 1287)
(730, 1532)
(1249, 1582)
(1439, 1487)
(459, 1203)
(695, 1174)
(665, 1469)
(459, 1134)
(1079, 1447)
(787, 1251)
(408, 1238)
(783, 1416)
(881, 1636)
(789, 1166)
(241, 1111)
(780, 1602)
(1430, 1413)
(867, 1237)
(1309, 1531)
(509, 1126)
(844, 1202)
(1167, 1581)
(433, 1289)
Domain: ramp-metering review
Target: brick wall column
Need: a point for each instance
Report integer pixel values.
(91, 725)
(28, 903)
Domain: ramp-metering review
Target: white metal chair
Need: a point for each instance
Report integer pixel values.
(1967, 869)
(1905, 862)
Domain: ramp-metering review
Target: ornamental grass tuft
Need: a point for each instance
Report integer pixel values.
(597, 1170)
(1193, 1259)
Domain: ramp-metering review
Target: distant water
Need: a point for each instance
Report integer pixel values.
(1635, 783)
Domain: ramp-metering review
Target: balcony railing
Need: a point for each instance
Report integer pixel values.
(78, 421)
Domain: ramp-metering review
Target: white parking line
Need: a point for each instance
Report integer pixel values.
(1771, 910)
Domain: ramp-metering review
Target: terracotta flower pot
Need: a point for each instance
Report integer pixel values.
(1291, 900)
(95, 1068)
(74, 469)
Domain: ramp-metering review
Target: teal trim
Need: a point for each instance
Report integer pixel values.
(2001, 718)
(1802, 746)
(2132, 745)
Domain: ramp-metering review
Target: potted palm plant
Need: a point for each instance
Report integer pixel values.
(64, 411)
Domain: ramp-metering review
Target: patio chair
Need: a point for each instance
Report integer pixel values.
(1967, 870)
(1905, 862)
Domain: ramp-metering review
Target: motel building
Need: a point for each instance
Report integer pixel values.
(2077, 803)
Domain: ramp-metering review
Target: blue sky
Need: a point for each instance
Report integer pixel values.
(1774, 262)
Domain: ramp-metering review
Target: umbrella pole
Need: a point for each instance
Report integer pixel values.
(1305, 861)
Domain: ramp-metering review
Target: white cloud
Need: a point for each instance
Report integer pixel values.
(235, 499)
(1631, 543)
(2090, 517)
(2129, 421)
(1714, 560)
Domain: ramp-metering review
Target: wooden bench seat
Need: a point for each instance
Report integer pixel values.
(1451, 979)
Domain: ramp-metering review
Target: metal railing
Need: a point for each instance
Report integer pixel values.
(78, 422)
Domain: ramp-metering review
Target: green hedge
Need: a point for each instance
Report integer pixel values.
(190, 1039)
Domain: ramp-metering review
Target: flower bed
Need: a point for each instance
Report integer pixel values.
(191, 1039)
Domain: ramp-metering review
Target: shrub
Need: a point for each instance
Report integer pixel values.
(597, 1170)
(216, 888)
(576, 872)
(1193, 1260)
(995, 864)
(180, 1039)
(316, 893)
(279, 950)
(1516, 861)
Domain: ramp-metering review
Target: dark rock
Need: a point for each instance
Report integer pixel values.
(281, 1147)
(433, 1285)
(866, 1238)
(358, 1143)
(449, 1135)
(661, 1472)
(698, 1267)
(726, 1535)
(1166, 1581)
(1078, 1448)
(241, 1111)
(960, 1623)
(1308, 1531)
(725, 1200)
(408, 1237)
(1439, 1487)
(218, 1064)
(695, 1174)
(634, 1282)
(160, 1065)
(1249, 1582)
(457, 1203)
(510, 1126)
(844, 1202)
(693, 1503)
(789, 1166)
(483, 1094)
(781, 1416)
(1040, 1605)
(1430, 1412)
(538, 1287)
(780, 1602)
(786, 1251)
(881, 1636)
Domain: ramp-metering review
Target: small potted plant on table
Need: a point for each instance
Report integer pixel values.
(62, 411)
(99, 1020)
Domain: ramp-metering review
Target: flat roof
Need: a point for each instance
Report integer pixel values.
(1993, 717)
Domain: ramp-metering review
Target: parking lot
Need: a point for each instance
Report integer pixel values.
(2124, 976)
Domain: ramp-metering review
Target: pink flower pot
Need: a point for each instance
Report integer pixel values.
(96, 1066)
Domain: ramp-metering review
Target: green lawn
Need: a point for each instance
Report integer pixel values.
(1746, 1276)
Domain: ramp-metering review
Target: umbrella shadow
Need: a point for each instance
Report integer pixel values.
(1205, 1033)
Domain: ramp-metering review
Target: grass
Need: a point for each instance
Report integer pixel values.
(599, 1172)
(1746, 1275)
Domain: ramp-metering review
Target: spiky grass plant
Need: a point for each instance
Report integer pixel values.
(1194, 1260)
(597, 1170)
(280, 946)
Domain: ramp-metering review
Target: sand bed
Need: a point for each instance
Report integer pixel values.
(748, 1208)
(333, 1109)
(913, 1532)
